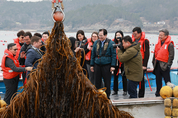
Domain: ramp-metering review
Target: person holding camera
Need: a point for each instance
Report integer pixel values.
(103, 60)
(132, 60)
(139, 37)
(118, 42)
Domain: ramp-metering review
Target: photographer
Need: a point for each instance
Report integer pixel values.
(118, 42)
(132, 60)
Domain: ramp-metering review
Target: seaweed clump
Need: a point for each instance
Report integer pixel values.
(59, 89)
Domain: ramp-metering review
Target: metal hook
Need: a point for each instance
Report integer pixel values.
(54, 10)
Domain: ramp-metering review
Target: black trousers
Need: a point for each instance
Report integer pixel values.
(103, 71)
(132, 88)
(23, 76)
(141, 92)
(124, 79)
(159, 75)
(11, 88)
(115, 87)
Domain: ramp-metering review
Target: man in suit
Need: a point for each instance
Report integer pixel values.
(33, 54)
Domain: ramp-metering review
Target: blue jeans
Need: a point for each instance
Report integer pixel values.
(132, 88)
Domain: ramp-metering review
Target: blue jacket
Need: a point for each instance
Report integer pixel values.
(31, 57)
(108, 58)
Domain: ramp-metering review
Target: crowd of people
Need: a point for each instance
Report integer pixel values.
(100, 58)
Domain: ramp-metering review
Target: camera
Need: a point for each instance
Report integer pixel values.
(117, 45)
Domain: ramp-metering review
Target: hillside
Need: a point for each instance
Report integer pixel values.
(91, 15)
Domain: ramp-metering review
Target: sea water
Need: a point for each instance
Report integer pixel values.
(8, 36)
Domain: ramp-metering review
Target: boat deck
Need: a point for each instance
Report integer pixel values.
(119, 96)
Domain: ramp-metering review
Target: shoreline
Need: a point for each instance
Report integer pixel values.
(88, 31)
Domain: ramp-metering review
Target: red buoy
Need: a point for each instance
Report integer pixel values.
(58, 16)
(54, 1)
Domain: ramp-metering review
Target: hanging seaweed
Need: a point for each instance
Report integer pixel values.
(59, 89)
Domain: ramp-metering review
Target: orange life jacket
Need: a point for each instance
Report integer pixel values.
(8, 73)
(88, 55)
(16, 41)
(42, 39)
(141, 41)
(161, 52)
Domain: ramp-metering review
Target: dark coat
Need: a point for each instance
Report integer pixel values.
(31, 58)
(109, 58)
(25, 48)
(132, 60)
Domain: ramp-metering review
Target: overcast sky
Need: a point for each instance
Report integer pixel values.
(26, 0)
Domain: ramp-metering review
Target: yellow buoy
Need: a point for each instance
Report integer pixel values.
(175, 103)
(175, 91)
(101, 91)
(2, 103)
(175, 112)
(167, 111)
(166, 92)
(167, 102)
(167, 117)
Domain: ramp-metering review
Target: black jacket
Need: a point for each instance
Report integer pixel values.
(25, 48)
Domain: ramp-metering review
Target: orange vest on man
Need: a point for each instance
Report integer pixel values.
(16, 41)
(141, 41)
(161, 52)
(8, 73)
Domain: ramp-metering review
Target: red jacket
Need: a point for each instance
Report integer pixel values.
(8, 73)
(141, 41)
(16, 41)
(42, 39)
(161, 52)
(88, 55)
